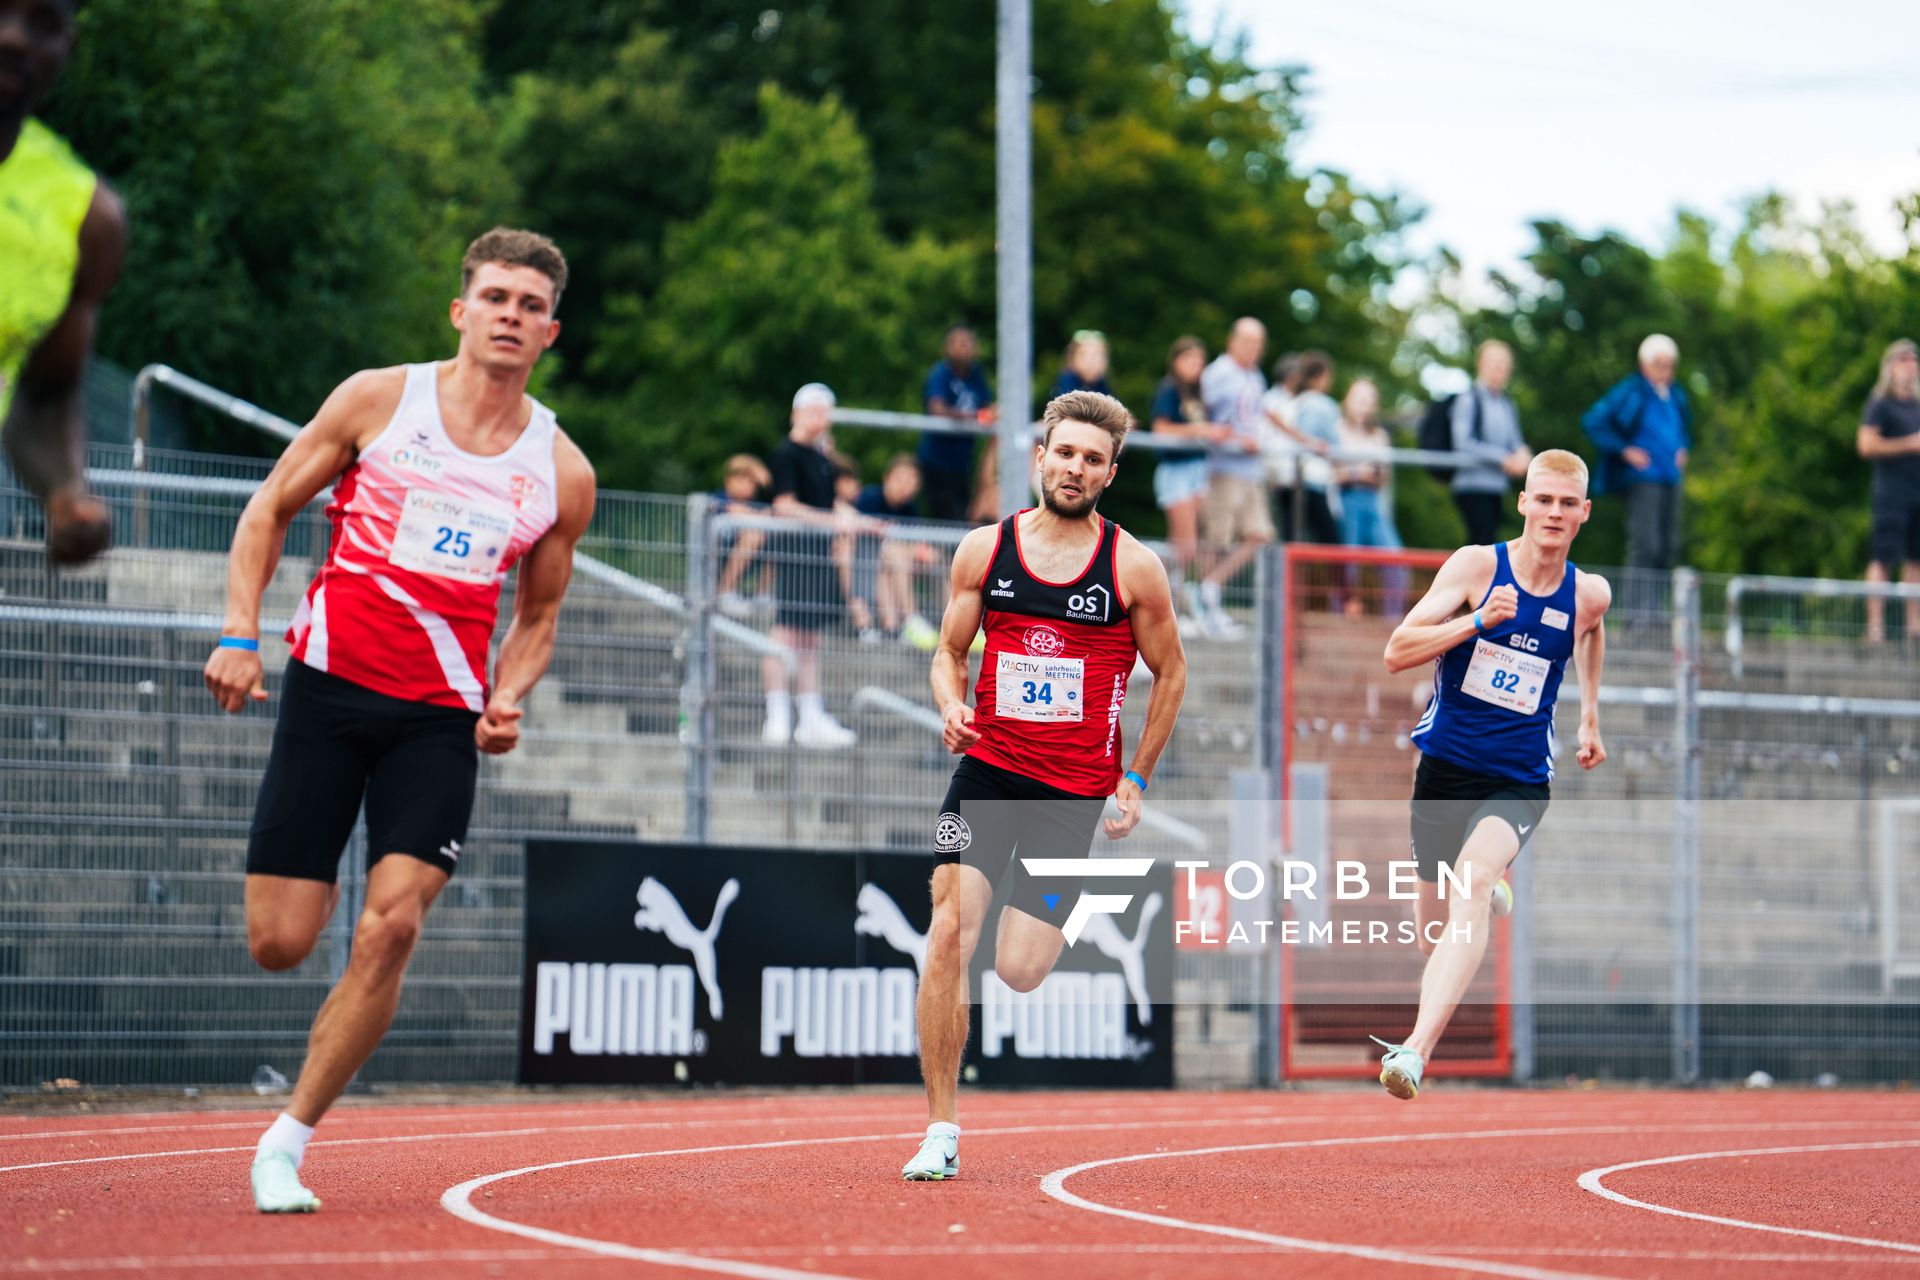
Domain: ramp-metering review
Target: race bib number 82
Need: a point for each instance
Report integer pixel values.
(1506, 677)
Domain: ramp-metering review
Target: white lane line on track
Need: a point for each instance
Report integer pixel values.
(402, 1257)
(1591, 1180)
(1154, 1120)
(1203, 1122)
(791, 1111)
(457, 1200)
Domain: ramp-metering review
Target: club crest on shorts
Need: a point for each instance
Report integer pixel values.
(951, 833)
(1044, 642)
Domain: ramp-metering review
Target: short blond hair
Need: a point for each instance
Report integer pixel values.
(1558, 462)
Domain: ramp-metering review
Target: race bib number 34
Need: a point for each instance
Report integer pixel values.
(1029, 688)
(451, 537)
(1506, 677)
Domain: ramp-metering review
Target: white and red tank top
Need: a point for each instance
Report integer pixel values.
(423, 535)
(1054, 675)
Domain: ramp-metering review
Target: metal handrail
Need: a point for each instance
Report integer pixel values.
(886, 700)
(1819, 588)
(933, 424)
(161, 375)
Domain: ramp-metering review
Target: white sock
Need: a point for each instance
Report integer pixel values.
(943, 1129)
(780, 706)
(1210, 594)
(288, 1135)
(812, 706)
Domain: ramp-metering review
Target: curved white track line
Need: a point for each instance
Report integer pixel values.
(457, 1200)
(1591, 1181)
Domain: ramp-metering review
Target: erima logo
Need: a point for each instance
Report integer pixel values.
(1003, 588)
(660, 912)
(1089, 905)
(1521, 641)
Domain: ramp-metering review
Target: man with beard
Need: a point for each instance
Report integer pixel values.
(1067, 600)
(62, 237)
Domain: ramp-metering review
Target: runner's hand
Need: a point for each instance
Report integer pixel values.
(1501, 606)
(957, 729)
(1592, 751)
(1127, 798)
(498, 730)
(233, 678)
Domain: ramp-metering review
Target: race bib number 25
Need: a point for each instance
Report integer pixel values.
(451, 537)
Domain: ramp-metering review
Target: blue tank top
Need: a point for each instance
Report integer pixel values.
(1493, 695)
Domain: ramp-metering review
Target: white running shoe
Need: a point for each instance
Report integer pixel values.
(823, 732)
(776, 731)
(937, 1160)
(276, 1185)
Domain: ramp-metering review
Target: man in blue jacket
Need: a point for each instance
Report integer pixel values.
(1643, 428)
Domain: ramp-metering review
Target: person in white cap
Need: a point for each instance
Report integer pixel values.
(806, 589)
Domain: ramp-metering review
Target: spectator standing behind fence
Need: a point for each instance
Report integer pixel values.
(1236, 505)
(883, 570)
(743, 486)
(1311, 423)
(805, 585)
(1889, 438)
(956, 388)
(1180, 475)
(1366, 487)
(1085, 365)
(1486, 425)
(1643, 428)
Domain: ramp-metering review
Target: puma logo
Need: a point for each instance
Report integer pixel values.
(1103, 931)
(881, 917)
(660, 913)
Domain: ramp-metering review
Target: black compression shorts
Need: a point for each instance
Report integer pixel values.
(1449, 802)
(990, 813)
(336, 744)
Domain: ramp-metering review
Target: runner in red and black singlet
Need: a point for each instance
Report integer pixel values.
(1068, 600)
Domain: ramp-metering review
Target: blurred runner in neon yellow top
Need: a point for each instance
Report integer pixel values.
(62, 239)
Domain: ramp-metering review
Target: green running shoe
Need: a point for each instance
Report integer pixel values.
(276, 1186)
(1400, 1070)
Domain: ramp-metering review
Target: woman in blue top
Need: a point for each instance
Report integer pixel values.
(1499, 624)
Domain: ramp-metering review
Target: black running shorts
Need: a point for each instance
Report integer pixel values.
(990, 813)
(336, 744)
(1449, 802)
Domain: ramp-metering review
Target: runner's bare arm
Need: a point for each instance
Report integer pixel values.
(958, 626)
(1593, 594)
(1432, 628)
(352, 416)
(1156, 633)
(45, 429)
(544, 573)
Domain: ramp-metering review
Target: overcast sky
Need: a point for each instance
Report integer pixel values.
(1497, 111)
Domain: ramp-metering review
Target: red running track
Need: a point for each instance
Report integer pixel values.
(1122, 1186)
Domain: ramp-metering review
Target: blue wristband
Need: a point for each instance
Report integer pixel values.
(1137, 780)
(1477, 625)
(239, 642)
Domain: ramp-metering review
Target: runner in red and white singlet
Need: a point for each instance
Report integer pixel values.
(1068, 600)
(445, 477)
(423, 536)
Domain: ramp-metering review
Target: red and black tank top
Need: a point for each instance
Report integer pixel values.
(1054, 675)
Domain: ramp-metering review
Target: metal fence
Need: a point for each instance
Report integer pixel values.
(1739, 888)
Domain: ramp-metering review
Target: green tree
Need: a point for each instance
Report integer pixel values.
(300, 179)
